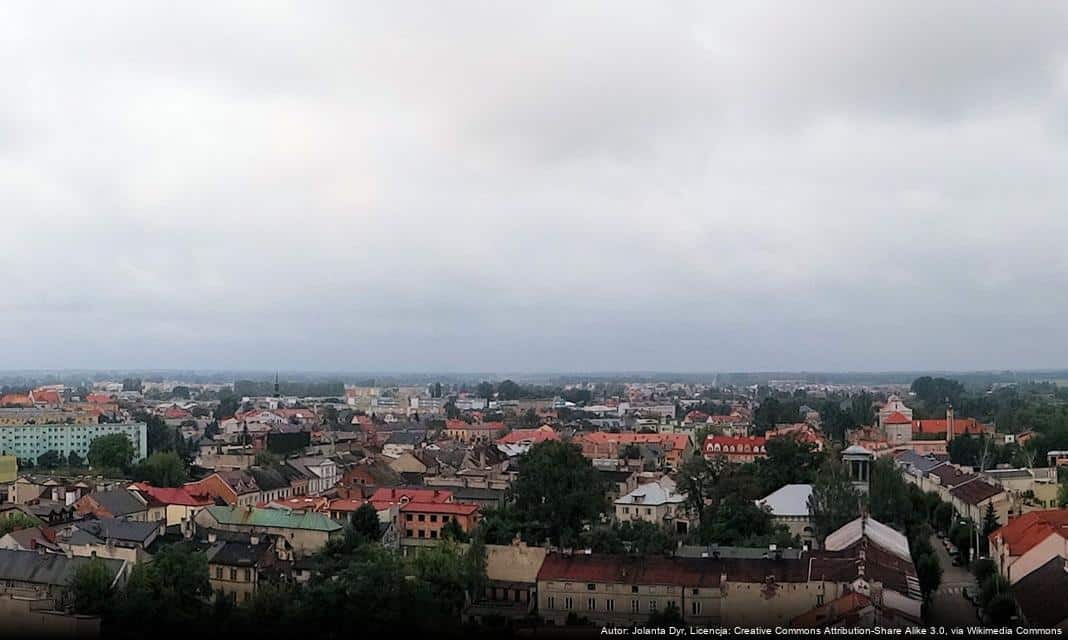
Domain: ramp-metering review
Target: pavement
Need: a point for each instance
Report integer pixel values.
(948, 606)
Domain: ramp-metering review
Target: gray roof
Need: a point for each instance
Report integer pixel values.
(54, 569)
(119, 529)
(789, 500)
(119, 502)
(269, 479)
(716, 551)
(922, 464)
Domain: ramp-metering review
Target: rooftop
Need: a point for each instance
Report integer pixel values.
(789, 500)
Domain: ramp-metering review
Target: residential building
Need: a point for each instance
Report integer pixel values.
(29, 441)
(511, 582)
(421, 523)
(789, 507)
(235, 563)
(321, 473)
(306, 532)
(1040, 596)
(234, 487)
(655, 502)
(114, 503)
(675, 447)
(179, 504)
(737, 449)
(1026, 543)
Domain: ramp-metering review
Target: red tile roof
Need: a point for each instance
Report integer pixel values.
(172, 495)
(1020, 534)
(897, 418)
(15, 400)
(669, 440)
(960, 426)
(49, 396)
(541, 434)
(98, 398)
(396, 495)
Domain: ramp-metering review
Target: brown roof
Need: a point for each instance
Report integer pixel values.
(1040, 594)
(950, 476)
(975, 492)
(605, 568)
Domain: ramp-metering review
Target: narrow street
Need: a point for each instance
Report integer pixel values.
(948, 605)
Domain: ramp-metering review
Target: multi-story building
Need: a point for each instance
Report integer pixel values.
(30, 441)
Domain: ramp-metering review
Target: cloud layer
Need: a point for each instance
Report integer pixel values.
(541, 186)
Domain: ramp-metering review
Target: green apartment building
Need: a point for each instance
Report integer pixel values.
(29, 441)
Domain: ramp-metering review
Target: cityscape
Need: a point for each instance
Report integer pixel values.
(500, 506)
(545, 320)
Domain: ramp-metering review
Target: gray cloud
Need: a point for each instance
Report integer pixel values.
(547, 186)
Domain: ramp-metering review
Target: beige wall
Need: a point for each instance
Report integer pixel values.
(619, 604)
(237, 583)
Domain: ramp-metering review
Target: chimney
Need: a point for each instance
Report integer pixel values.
(212, 537)
(254, 539)
(949, 422)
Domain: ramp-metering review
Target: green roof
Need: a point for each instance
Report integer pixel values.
(277, 518)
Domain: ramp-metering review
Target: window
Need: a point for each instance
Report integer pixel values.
(433, 518)
(610, 605)
(434, 534)
(218, 573)
(591, 604)
(695, 606)
(819, 599)
(550, 603)
(422, 517)
(591, 587)
(634, 589)
(634, 606)
(422, 534)
(568, 603)
(696, 592)
(408, 517)
(248, 575)
(408, 532)
(652, 605)
(233, 574)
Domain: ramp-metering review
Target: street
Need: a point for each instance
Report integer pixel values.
(948, 606)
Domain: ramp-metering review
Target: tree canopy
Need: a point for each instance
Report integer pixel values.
(557, 490)
(114, 451)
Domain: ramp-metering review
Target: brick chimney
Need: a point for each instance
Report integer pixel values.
(949, 423)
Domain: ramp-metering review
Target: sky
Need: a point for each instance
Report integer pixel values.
(534, 186)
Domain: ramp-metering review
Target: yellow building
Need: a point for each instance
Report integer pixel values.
(9, 469)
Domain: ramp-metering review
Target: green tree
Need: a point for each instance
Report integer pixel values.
(834, 500)
(929, 574)
(509, 390)
(365, 522)
(49, 459)
(74, 460)
(484, 389)
(990, 525)
(113, 451)
(15, 521)
(557, 490)
(90, 588)
(788, 461)
(453, 531)
(170, 592)
(669, 617)
(889, 495)
(162, 469)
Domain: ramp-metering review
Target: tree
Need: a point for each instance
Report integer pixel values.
(1001, 608)
(834, 500)
(16, 521)
(990, 525)
(113, 451)
(74, 460)
(788, 461)
(669, 617)
(929, 574)
(228, 406)
(557, 490)
(484, 389)
(888, 495)
(90, 588)
(159, 436)
(49, 459)
(453, 531)
(509, 390)
(169, 592)
(943, 516)
(365, 522)
(162, 469)
(641, 537)
(329, 415)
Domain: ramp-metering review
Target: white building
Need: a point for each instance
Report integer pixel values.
(789, 507)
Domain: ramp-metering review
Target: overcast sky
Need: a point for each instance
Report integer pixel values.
(534, 186)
